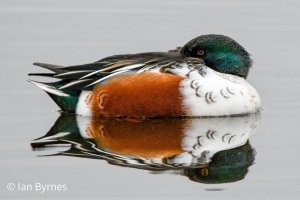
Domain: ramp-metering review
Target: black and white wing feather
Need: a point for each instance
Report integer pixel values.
(85, 76)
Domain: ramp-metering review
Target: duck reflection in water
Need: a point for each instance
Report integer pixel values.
(207, 150)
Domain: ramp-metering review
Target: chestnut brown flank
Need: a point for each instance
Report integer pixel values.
(146, 94)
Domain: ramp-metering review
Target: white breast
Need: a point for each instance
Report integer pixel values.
(210, 93)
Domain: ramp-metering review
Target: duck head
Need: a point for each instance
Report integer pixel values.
(220, 53)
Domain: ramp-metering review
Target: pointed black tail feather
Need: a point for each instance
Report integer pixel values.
(54, 68)
(77, 77)
(66, 99)
(90, 66)
(42, 74)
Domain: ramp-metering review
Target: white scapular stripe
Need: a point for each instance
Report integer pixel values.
(129, 67)
(72, 83)
(106, 77)
(123, 69)
(58, 135)
(49, 89)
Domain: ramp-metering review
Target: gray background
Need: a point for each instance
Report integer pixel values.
(70, 32)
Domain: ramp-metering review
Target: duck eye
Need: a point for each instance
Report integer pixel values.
(200, 52)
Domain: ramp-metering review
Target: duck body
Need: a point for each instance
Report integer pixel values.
(157, 84)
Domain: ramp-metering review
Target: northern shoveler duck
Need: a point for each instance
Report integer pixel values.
(205, 77)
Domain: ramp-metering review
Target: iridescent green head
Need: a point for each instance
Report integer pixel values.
(220, 53)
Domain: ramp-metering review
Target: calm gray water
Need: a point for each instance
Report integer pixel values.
(74, 32)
